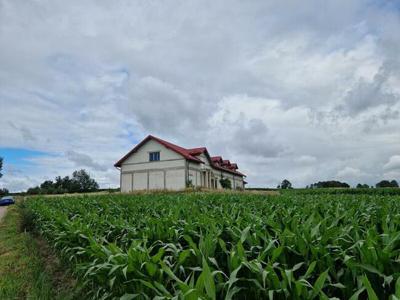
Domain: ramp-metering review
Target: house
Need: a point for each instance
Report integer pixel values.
(158, 164)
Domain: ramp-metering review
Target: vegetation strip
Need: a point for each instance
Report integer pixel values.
(24, 272)
(227, 246)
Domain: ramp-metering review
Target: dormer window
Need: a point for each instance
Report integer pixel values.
(154, 156)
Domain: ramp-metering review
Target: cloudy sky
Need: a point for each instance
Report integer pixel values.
(303, 90)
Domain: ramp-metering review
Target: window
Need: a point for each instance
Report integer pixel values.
(154, 156)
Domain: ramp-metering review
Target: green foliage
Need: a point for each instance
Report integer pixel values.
(189, 183)
(362, 186)
(225, 183)
(79, 183)
(345, 191)
(3, 192)
(387, 184)
(286, 184)
(227, 246)
(83, 181)
(329, 184)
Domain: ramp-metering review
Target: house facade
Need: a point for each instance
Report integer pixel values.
(155, 164)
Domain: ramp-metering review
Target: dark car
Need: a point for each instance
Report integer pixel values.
(8, 200)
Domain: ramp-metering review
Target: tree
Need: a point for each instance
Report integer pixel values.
(286, 184)
(225, 183)
(83, 181)
(80, 182)
(33, 191)
(362, 186)
(3, 192)
(387, 184)
(329, 184)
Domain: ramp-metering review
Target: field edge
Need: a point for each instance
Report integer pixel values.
(28, 267)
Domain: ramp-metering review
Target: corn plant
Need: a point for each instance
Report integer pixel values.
(227, 245)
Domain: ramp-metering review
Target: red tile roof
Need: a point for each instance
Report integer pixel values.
(189, 154)
(196, 151)
(216, 158)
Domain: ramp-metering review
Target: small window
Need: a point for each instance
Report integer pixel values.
(154, 156)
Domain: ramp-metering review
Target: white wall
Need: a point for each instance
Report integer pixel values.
(150, 175)
(140, 181)
(156, 180)
(175, 179)
(195, 173)
(126, 182)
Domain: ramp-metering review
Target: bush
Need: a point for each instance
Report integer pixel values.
(4, 192)
(225, 183)
(27, 217)
(329, 184)
(387, 184)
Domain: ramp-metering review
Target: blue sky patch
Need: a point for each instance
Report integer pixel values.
(19, 156)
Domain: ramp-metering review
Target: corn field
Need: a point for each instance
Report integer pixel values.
(226, 245)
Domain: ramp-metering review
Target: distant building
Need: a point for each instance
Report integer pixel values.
(158, 164)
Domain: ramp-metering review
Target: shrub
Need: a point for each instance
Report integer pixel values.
(225, 183)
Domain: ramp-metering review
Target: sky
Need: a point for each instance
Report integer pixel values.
(303, 90)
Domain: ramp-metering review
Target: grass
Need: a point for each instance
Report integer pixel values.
(28, 270)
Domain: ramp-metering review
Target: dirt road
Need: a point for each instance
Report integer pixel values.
(3, 210)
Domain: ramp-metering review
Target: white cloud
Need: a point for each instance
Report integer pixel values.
(393, 163)
(305, 159)
(349, 172)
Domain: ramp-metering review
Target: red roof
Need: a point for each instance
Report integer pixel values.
(216, 159)
(226, 162)
(228, 170)
(196, 151)
(189, 154)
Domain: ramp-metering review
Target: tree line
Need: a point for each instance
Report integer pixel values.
(286, 184)
(80, 182)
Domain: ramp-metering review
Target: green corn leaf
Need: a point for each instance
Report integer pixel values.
(183, 256)
(111, 282)
(319, 283)
(124, 271)
(357, 294)
(208, 280)
(370, 290)
(158, 256)
(151, 268)
(397, 293)
(129, 296)
(244, 234)
(369, 268)
(310, 269)
(276, 253)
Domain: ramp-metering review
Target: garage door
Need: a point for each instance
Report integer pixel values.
(156, 180)
(126, 183)
(140, 181)
(175, 179)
